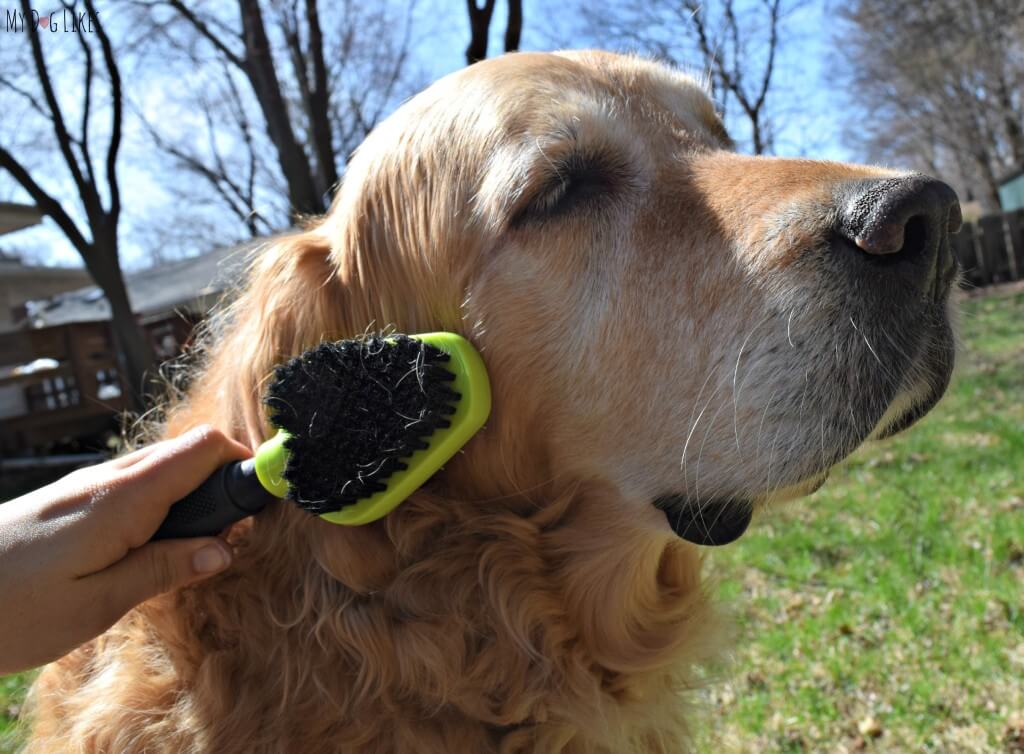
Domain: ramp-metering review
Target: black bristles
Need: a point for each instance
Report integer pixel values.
(355, 410)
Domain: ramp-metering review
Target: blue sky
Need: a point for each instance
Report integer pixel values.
(808, 124)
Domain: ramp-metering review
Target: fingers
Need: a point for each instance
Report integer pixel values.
(174, 468)
(130, 459)
(153, 569)
(183, 462)
(140, 454)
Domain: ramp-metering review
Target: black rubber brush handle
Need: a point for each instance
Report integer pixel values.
(230, 494)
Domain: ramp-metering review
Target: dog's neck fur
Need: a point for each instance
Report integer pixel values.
(494, 629)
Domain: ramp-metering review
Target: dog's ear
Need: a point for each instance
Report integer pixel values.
(295, 297)
(371, 263)
(292, 300)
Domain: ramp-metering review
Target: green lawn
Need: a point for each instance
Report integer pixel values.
(886, 612)
(12, 691)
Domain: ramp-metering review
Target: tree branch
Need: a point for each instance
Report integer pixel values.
(64, 141)
(319, 107)
(216, 178)
(479, 26)
(773, 40)
(238, 111)
(86, 103)
(260, 69)
(730, 73)
(290, 27)
(46, 203)
(32, 101)
(399, 60)
(202, 27)
(733, 27)
(116, 107)
(712, 58)
(514, 29)
(237, 200)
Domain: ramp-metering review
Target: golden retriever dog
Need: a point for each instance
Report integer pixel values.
(677, 336)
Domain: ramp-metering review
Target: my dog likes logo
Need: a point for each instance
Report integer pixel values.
(67, 20)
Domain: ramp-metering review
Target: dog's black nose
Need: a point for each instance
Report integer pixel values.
(911, 216)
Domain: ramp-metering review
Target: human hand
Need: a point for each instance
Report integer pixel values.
(75, 555)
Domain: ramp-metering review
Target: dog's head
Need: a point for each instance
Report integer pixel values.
(700, 331)
(703, 330)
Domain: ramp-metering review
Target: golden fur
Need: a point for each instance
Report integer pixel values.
(529, 598)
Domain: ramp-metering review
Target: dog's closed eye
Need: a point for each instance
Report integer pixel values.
(578, 181)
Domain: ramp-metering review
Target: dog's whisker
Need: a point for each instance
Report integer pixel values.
(824, 463)
(771, 457)
(764, 414)
(736, 389)
(885, 369)
(700, 453)
(693, 427)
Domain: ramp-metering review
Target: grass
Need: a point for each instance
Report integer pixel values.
(886, 612)
(12, 692)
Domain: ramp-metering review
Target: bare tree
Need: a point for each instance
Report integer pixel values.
(480, 28)
(938, 86)
(94, 178)
(249, 51)
(229, 170)
(723, 51)
(307, 87)
(737, 44)
(370, 67)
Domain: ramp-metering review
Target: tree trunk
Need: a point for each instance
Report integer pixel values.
(139, 363)
(479, 28)
(1011, 122)
(755, 128)
(259, 67)
(989, 183)
(515, 25)
(319, 106)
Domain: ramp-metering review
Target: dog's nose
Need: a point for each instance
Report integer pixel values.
(911, 216)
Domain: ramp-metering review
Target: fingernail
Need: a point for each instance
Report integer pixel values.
(211, 559)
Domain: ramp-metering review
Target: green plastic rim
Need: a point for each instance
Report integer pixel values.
(471, 413)
(271, 458)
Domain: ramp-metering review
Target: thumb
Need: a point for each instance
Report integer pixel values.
(159, 567)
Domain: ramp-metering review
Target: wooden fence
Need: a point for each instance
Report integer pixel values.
(992, 249)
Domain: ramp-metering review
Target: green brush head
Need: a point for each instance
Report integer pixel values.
(364, 423)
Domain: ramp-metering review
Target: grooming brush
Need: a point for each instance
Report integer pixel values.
(362, 424)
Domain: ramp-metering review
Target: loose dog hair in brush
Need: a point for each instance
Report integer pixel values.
(677, 336)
